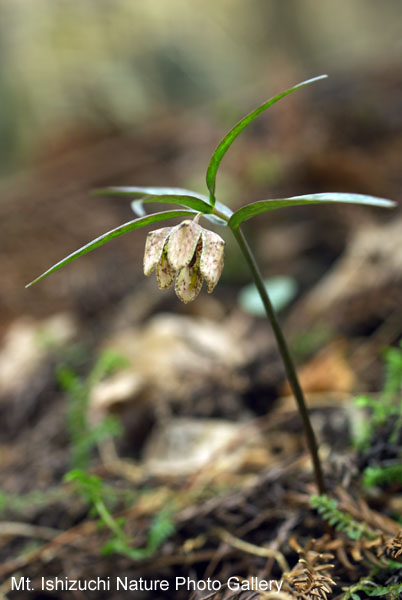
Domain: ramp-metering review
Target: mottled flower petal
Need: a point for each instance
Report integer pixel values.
(164, 273)
(154, 248)
(212, 258)
(182, 244)
(188, 284)
(187, 252)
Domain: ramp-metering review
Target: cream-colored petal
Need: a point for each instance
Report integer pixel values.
(188, 284)
(165, 273)
(182, 244)
(154, 245)
(212, 258)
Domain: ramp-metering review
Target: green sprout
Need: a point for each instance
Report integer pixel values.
(192, 266)
(93, 491)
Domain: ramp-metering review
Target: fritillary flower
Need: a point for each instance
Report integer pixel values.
(187, 253)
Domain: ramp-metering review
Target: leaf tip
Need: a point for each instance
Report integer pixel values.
(311, 80)
(391, 204)
(100, 191)
(31, 283)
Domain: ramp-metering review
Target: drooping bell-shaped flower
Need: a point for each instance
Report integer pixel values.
(187, 252)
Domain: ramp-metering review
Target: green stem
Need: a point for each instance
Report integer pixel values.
(107, 518)
(286, 357)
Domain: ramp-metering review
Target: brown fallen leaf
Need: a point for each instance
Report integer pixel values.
(327, 371)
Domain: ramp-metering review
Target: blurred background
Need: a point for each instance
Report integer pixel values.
(120, 92)
(97, 93)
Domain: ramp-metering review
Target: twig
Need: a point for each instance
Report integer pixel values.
(230, 539)
(11, 529)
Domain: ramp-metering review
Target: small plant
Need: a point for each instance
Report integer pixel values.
(342, 521)
(379, 436)
(373, 590)
(191, 253)
(387, 409)
(378, 476)
(94, 492)
(84, 437)
(370, 546)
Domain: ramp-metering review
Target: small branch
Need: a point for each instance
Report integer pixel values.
(12, 529)
(239, 544)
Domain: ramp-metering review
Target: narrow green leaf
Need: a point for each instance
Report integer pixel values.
(183, 200)
(140, 192)
(109, 235)
(255, 208)
(229, 138)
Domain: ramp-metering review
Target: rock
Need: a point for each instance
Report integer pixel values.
(372, 261)
(27, 343)
(183, 446)
(175, 358)
(114, 391)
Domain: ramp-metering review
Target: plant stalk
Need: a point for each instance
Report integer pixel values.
(286, 357)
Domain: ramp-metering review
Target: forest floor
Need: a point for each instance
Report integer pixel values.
(144, 440)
